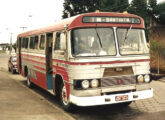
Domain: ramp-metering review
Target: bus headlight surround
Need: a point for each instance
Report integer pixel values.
(140, 79)
(85, 84)
(94, 83)
(147, 78)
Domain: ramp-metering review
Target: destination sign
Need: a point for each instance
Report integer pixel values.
(94, 19)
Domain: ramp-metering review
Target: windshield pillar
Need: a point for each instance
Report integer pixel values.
(116, 41)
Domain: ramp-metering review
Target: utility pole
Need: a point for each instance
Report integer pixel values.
(23, 28)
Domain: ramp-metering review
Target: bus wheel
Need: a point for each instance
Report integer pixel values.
(13, 71)
(29, 83)
(63, 99)
(9, 69)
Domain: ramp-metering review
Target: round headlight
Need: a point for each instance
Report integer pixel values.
(94, 83)
(140, 78)
(85, 84)
(146, 78)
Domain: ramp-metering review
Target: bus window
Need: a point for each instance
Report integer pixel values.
(60, 43)
(23, 43)
(93, 42)
(42, 42)
(57, 42)
(31, 42)
(26, 42)
(36, 42)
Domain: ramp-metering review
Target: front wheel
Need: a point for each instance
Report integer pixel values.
(63, 99)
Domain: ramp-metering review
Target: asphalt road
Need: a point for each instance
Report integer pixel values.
(17, 102)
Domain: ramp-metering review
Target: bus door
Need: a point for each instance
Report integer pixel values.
(49, 69)
(59, 53)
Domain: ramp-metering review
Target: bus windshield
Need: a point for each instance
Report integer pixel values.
(93, 42)
(131, 41)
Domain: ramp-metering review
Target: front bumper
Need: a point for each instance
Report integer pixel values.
(102, 100)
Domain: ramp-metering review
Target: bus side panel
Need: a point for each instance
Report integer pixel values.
(41, 80)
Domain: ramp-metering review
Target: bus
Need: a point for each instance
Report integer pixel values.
(90, 59)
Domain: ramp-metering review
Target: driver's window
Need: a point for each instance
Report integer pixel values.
(60, 42)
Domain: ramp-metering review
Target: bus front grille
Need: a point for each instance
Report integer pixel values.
(118, 80)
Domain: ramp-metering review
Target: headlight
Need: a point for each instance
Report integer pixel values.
(94, 83)
(146, 78)
(140, 79)
(85, 84)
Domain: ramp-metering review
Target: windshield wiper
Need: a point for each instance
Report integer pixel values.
(126, 34)
(98, 37)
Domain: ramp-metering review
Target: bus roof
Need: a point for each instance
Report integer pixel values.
(77, 22)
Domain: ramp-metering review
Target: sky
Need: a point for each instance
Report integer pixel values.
(27, 13)
(31, 14)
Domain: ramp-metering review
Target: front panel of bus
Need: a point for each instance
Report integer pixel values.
(109, 61)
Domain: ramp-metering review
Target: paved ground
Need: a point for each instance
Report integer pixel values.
(17, 102)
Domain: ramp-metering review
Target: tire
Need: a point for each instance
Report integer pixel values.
(29, 83)
(66, 105)
(9, 69)
(13, 71)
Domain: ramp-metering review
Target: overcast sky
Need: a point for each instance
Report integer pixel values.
(27, 13)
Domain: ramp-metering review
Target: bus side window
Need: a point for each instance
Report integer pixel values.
(23, 43)
(31, 42)
(42, 42)
(63, 41)
(26, 42)
(60, 43)
(36, 42)
(57, 41)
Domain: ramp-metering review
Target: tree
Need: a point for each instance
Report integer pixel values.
(140, 8)
(114, 5)
(161, 13)
(74, 7)
(152, 6)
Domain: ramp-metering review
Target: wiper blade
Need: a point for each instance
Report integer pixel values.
(98, 37)
(127, 33)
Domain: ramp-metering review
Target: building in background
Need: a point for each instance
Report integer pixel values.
(4, 46)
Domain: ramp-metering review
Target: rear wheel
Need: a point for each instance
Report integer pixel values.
(63, 99)
(13, 71)
(9, 69)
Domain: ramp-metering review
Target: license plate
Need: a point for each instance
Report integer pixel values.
(121, 98)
